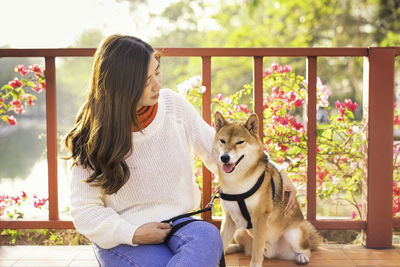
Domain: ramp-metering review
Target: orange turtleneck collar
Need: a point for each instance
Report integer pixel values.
(146, 115)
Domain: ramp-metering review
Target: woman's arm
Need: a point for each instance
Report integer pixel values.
(287, 186)
(201, 135)
(100, 224)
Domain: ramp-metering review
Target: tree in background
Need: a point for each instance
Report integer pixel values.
(290, 23)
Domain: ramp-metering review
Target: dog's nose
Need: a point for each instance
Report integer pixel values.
(225, 158)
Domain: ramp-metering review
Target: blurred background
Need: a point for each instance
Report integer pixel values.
(175, 23)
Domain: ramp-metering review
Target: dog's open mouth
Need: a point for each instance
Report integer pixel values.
(228, 168)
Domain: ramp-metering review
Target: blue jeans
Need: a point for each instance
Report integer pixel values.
(196, 244)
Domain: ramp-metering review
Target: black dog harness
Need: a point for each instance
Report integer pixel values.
(241, 197)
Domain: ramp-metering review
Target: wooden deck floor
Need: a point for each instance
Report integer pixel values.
(327, 255)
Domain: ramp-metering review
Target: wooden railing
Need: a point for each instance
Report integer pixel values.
(378, 91)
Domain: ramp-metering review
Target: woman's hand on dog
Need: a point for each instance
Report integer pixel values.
(151, 233)
(287, 186)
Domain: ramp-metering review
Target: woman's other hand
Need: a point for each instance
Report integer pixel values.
(287, 186)
(151, 233)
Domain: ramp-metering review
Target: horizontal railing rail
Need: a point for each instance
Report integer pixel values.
(379, 69)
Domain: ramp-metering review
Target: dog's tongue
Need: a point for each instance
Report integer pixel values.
(228, 167)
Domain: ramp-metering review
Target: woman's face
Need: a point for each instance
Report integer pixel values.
(151, 91)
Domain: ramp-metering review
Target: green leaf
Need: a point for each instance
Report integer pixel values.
(349, 114)
(6, 87)
(320, 132)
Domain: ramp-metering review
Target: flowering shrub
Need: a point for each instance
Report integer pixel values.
(339, 135)
(13, 97)
(15, 207)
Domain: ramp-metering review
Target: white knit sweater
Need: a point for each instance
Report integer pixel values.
(161, 183)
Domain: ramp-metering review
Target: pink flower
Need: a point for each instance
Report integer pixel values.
(340, 107)
(31, 102)
(281, 120)
(12, 120)
(35, 68)
(285, 68)
(284, 148)
(396, 120)
(298, 103)
(274, 67)
(16, 103)
(15, 83)
(244, 108)
(292, 96)
(350, 105)
(298, 126)
(227, 100)
(37, 88)
(296, 139)
(21, 70)
(219, 97)
(353, 215)
(23, 194)
(267, 72)
(19, 110)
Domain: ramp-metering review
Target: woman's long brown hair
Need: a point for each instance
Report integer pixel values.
(101, 137)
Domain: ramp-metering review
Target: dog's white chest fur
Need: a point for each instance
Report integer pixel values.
(232, 207)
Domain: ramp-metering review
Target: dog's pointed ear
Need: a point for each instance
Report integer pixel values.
(252, 124)
(219, 121)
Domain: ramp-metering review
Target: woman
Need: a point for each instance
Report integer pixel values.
(131, 147)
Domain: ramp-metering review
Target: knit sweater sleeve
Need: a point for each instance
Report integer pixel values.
(201, 135)
(100, 224)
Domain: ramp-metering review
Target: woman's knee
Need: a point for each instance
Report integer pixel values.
(208, 234)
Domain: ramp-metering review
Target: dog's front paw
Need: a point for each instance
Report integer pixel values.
(233, 248)
(301, 259)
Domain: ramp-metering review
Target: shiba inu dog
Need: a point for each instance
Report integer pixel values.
(251, 199)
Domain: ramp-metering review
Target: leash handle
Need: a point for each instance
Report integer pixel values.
(211, 203)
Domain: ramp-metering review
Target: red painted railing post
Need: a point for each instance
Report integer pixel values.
(258, 92)
(51, 126)
(311, 137)
(378, 115)
(206, 113)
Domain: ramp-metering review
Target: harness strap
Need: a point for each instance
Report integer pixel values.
(232, 197)
(239, 198)
(245, 212)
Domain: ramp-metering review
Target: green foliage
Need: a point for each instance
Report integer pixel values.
(14, 234)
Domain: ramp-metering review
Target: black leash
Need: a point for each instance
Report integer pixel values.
(178, 226)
